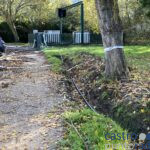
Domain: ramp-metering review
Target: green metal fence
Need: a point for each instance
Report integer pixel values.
(31, 39)
(67, 39)
(70, 39)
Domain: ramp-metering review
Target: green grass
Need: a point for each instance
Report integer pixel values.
(137, 56)
(52, 53)
(91, 129)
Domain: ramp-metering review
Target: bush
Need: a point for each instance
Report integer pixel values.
(6, 33)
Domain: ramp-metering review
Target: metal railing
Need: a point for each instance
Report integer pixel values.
(67, 38)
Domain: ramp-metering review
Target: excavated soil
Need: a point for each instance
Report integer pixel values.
(126, 101)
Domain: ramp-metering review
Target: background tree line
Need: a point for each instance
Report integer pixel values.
(20, 17)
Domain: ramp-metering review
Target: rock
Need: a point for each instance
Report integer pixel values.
(3, 68)
(5, 85)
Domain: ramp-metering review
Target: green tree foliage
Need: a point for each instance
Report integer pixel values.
(46, 13)
(91, 19)
(129, 9)
(146, 6)
(14, 10)
(133, 17)
(9, 10)
(31, 14)
(22, 16)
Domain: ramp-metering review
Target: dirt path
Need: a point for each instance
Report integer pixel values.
(26, 98)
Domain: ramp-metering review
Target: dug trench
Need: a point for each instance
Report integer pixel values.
(126, 102)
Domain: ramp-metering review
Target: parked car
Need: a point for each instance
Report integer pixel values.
(2, 46)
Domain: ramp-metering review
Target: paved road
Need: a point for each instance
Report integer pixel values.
(27, 95)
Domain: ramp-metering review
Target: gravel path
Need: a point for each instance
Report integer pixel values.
(26, 99)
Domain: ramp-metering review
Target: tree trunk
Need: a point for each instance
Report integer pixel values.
(112, 35)
(13, 29)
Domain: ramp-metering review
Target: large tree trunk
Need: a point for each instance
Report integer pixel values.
(112, 35)
(13, 29)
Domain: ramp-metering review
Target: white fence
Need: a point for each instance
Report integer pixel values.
(54, 37)
(77, 37)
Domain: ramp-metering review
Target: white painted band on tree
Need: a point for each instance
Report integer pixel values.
(111, 48)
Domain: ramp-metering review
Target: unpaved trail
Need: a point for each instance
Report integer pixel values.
(26, 99)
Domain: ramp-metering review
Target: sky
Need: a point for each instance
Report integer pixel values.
(75, 1)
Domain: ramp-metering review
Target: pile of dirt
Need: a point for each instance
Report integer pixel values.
(128, 102)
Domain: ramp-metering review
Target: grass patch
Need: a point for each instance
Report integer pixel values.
(54, 59)
(137, 56)
(52, 53)
(92, 127)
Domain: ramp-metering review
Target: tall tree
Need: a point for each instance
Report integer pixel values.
(91, 17)
(132, 15)
(11, 9)
(146, 6)
(112, 35)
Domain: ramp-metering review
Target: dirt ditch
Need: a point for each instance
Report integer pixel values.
(127, 102)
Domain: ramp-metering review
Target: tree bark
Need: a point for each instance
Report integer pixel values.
(13, 29)
(112, 35)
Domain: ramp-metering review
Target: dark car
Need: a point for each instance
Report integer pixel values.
(2, 46)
